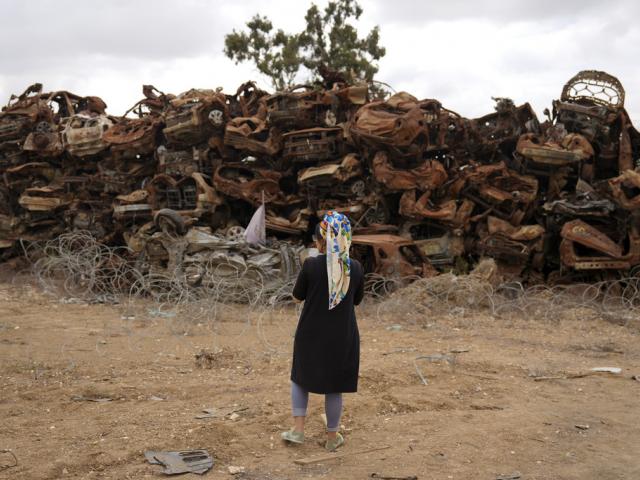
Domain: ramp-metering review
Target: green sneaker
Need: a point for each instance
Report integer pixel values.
(334, 444)
(292, 436)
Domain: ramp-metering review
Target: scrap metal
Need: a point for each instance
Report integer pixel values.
(176, 178)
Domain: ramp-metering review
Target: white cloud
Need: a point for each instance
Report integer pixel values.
(459, 53)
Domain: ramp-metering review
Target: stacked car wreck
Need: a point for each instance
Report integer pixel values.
(177, 178)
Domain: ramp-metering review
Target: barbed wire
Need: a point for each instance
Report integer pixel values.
(616, 300)
(212, 291)
(76, 268)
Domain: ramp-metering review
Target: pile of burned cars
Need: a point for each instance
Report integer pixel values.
(427, 190)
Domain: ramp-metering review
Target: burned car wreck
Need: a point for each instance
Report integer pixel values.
(177, 177)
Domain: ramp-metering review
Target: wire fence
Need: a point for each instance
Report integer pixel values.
(616, 300)
(76, 267)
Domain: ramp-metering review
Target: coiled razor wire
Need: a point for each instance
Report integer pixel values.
(617, 300)
(75, 266)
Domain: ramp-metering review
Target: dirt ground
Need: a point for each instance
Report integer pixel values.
(480, 416)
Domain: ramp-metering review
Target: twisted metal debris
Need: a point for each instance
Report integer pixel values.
(169, 185)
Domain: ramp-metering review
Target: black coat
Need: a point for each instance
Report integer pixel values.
(326, 349)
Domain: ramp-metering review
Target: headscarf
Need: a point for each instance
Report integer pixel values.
(335, 228)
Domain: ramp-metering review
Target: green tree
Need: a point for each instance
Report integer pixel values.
(329, 42)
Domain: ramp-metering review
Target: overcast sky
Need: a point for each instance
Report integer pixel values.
(459, 52)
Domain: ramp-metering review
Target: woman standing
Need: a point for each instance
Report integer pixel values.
(326, 351)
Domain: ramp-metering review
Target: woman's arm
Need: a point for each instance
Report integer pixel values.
(359, 292)
(302, 283)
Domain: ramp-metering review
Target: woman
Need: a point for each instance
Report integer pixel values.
(326, 349)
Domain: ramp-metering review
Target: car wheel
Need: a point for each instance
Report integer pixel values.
(376, 215)
(170, 221)
(216, 117)
(358, 188)
(235, 234)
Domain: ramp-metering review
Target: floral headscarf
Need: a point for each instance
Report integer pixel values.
(335, 228)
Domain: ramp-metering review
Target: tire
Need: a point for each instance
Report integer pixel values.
(359, 188)
(377, 215)
(169, 221)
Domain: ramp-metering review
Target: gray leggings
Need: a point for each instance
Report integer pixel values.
(332, 406)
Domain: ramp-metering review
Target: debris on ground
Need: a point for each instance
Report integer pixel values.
(232, 413)
(511, 476)
(91, 398)
(588, 373)
(206, 358)
(185, 461)
(233, 470)
(324, 458)
(612, 370)
(436, 358)
(14, 462)
(387, 477)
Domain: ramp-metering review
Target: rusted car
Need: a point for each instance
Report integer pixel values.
(45, 199)
(520, 245)
(625, 190)
(342, 179)
(194, 116)
(44, 140)
(493, 134)
(389, 255)
(254, 185)
(247, 101)
(176, 194)
(22, 113)
(404, 125)
(585, 247)
(498, 189)
(369, 210)
(192, 197)
(32, 118)
(82, 134)
(313, 145)
(430, 174)
(396, 123)
(133, 137)
(133, 207)
(33, 174)
(302, 107)
(253, 135)
(154, 103)
(557, 158)
(584, 202)
(292, 220)
(592, 104)
(185, 162)
(441, 244)
(455, 213)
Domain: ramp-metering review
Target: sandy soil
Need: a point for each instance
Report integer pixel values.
(481, 415)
